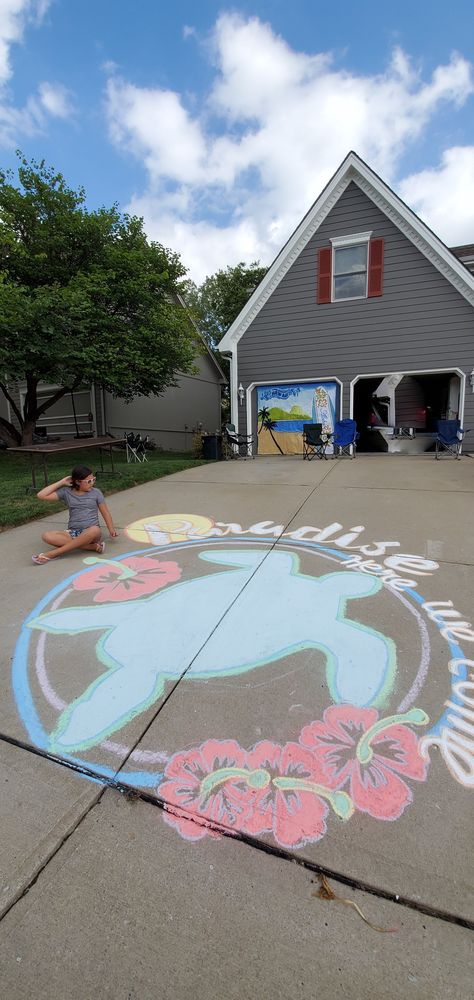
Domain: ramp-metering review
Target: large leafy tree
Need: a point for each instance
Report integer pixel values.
(84, 297)
(220, 298)
(217, 302)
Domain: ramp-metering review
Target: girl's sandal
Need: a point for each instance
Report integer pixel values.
(100, 548)
(40, 559)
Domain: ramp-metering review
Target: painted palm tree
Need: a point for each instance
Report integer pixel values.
(267, 424)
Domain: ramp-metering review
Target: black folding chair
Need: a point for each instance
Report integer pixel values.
(135, 447)
(238, 445)
(314, 441)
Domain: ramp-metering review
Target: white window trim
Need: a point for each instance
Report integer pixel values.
(338, 243)
(348, 241)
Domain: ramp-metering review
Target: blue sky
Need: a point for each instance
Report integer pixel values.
(221, 123)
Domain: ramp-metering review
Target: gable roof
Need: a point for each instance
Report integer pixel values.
(222, 378)
(356, 170)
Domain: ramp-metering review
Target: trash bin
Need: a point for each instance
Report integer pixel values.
(212, 446)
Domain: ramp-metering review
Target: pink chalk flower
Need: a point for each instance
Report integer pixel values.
(202, 783)
(292, 798)
(126, 579)
(270, 789)
(371, 756)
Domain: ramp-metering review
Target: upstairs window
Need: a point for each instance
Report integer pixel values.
(351, 268)
(350, 272)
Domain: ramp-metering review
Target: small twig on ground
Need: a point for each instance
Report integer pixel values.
(325, 892)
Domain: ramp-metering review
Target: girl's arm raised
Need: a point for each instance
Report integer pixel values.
(49, 492)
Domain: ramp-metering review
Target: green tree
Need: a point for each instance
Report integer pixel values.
(84, 297)
(217, 302)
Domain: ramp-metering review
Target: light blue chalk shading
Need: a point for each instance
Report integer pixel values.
(279, 611)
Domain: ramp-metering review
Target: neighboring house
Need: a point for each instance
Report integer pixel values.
(365, 313)
(466, 254)
(169, 419)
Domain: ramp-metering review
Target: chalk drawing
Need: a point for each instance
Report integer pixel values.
(188, 608)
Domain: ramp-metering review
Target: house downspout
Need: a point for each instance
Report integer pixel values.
(234, 402)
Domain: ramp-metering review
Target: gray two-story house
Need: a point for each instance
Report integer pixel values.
(364, 313)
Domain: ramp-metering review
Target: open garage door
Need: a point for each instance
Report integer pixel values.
(398, 412)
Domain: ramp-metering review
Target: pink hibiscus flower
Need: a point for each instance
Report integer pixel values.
(200, 782)
(271, 789)
(353, 746)
(126, 579)
(293, 803)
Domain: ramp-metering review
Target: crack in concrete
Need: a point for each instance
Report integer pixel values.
(221, 619)
(136, 794)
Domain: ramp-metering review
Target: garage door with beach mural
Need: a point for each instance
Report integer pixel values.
(283, 409)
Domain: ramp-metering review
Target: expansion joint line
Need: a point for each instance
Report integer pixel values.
(136, 795)
(221, 619)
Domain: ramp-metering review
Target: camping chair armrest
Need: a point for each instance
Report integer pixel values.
(244, 438)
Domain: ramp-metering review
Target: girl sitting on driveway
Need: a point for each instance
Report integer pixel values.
(84, 501)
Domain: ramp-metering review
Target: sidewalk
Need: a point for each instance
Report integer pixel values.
(265, 659)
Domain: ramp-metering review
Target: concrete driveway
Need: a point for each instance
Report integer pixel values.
(273, 663)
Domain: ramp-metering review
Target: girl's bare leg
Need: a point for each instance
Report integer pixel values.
(64, 543)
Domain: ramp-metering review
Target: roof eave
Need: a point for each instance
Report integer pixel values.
(353, 168)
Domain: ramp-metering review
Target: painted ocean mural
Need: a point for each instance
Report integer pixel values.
(283, 409)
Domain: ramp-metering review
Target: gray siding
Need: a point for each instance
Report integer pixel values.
(171, 418)
(420, 322)
(58, 420)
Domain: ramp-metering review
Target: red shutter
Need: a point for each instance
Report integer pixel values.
(324, 275)
(375, 283)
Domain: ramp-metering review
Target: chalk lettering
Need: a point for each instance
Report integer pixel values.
(439, 611)
(456, 740)
(411, 564)
(457, 753)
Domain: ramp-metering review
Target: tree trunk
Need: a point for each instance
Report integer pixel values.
(9, 434)
(29, 410)
(28, 431)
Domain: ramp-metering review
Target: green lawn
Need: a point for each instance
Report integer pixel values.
(17, 505)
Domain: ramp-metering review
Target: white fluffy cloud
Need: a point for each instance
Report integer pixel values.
(444, 196)
(55, 99)
(52, 99)
(229, 179)
(14, 16)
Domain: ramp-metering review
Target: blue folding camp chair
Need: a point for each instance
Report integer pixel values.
(345, 437)
(314, 441)
(449, 435)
